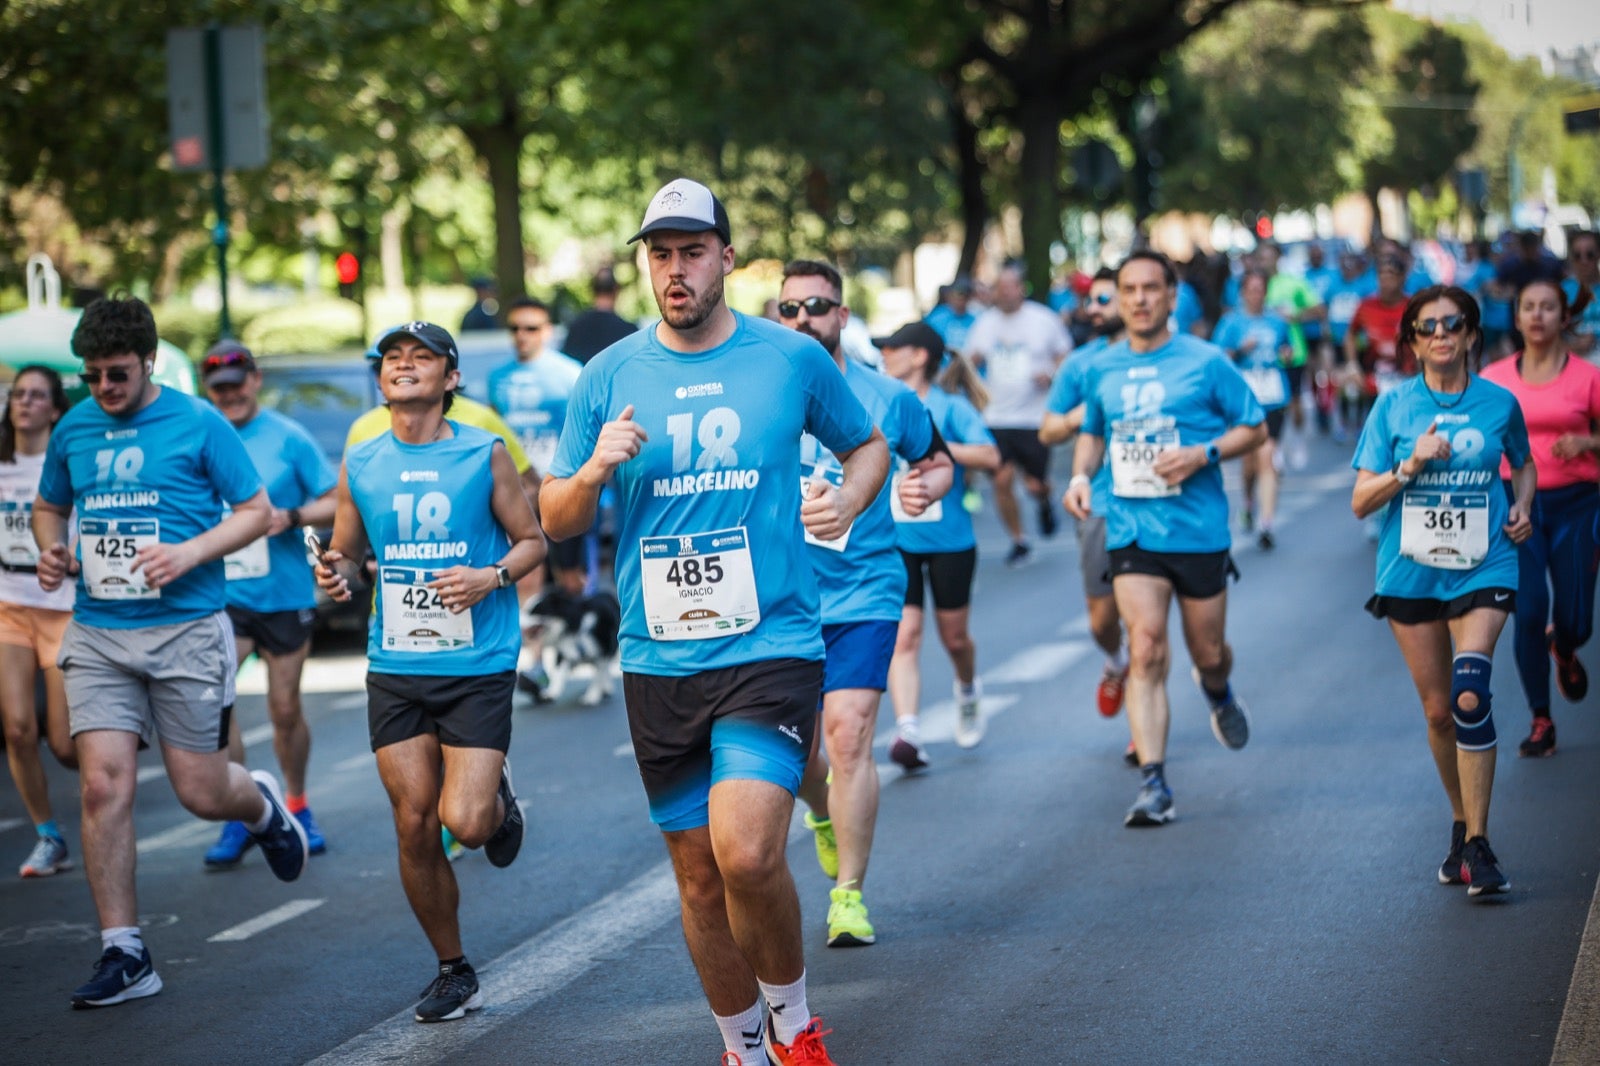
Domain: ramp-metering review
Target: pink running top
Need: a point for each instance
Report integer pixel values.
(1568, 404)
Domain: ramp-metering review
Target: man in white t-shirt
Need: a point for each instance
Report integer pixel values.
(1018, 344)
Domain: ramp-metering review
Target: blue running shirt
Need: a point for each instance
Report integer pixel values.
(710, 507)
(1184, 393)
(532, 398)
(271, 574)
(946, 526)
(1451, 513)
(1261, 365)
(426, 508)
(1068, 391)
(159, 475)
(861, 575)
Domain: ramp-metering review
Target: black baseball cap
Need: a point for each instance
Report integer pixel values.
(436, 339)
(687, 207)
(915, 335)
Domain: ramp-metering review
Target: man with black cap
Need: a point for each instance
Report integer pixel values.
(441, 506)
(699, 421)
(863, 583)
(596, 329)
(271, 598)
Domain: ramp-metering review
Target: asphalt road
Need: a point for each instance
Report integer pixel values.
(1289, 915)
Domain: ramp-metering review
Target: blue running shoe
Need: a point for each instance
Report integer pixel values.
(118, 976)
(314, 839)
(230, 847)
(283, 842)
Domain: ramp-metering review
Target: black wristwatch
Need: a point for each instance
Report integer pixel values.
(1213, 453)
(294, 518)
(502, 576)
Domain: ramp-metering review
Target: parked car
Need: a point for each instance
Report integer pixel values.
(325, 394)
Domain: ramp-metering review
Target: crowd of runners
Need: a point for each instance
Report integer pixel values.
(781, 516)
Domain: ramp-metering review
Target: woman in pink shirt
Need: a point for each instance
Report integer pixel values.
(1560, 398)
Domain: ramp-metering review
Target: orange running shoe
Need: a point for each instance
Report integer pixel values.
(805, 1050)
(1108, 697)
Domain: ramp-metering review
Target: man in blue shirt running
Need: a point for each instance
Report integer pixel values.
(444, 512)
(699, 420)
(148, 656)
(271, 596)
(862, 579)
(1165, 411)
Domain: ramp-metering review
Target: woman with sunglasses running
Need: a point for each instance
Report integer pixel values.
(1560, 397)
(1429, 460)
(32, 621)
(938, 545)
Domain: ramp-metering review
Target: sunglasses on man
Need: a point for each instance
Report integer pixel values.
(219, 360)
(814, 306)
(117, 375)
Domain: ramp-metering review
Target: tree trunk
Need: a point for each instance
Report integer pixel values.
(1038, 197)
(969, 175)
(500, 147)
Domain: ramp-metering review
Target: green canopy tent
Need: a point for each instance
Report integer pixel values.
(43, 334)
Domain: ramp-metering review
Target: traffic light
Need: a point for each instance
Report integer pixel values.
(1264, 227)
(348, 269)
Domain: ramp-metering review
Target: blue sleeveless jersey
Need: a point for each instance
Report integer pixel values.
(426, 508)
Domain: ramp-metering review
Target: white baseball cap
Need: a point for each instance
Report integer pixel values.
(687, 207)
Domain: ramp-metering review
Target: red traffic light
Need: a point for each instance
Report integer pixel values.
(347, 267)
(1264, 227)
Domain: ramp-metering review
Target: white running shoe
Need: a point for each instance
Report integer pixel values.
(969, 715)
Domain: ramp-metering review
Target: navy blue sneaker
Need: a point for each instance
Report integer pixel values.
(230, 847)
(118, 976)
(502, 847)
(283, 842)
(315, 843)
(451, 995)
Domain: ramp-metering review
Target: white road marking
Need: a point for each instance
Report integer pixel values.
(8, 824)
(178, 836)
(262, 922)
(355, 762)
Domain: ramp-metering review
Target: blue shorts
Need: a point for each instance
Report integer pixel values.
(858, 654)
(752, 722)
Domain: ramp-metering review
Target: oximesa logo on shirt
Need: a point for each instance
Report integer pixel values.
(688, 392)
(419, 475)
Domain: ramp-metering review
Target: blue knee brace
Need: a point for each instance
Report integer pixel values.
(1474, 728)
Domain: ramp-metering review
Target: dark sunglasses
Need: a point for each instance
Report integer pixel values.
(116, 375)
(814, 306)
(1104, 298)
(1452, 324)
(526, 329)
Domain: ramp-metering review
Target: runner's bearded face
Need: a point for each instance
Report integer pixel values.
(119, 383)
(686, 272)
(1144, 298)
(826, 327)
(414, 375)
(237, 403)
(1103, 308)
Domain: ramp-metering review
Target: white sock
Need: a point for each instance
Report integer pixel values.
(125, 937)
(259, 826)
(967, 688)
(789, 1011)
(741, 1033)
(909, 728)
(1119, 662)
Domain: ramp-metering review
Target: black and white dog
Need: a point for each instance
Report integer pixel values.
(576, 631)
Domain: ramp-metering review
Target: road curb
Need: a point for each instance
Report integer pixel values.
(1578, 1039)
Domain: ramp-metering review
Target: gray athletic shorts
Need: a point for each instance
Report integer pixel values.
(1093, 559)
(174, 682)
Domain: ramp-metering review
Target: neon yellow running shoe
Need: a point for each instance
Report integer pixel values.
(847, 920)
(827, 844)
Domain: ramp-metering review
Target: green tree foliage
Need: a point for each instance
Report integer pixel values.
(1260, 111)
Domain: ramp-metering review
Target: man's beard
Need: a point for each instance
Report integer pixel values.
(1108, 327)
(832, 346)
(699, 309)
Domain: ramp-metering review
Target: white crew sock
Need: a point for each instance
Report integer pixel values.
(789, 1011)
(259, 826)
(1119, 662)
(741, 1034)
(125, 937)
